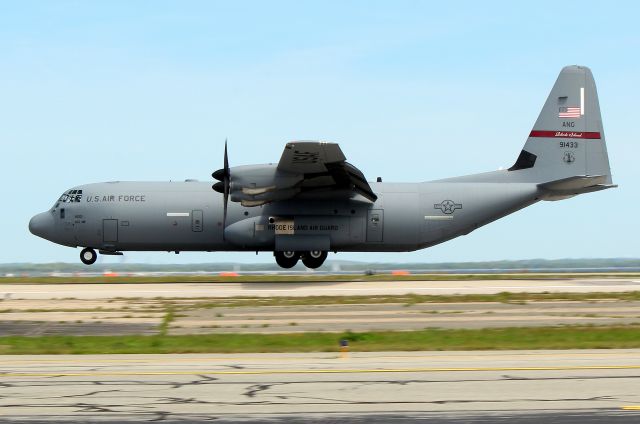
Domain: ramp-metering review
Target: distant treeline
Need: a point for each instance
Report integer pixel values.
(516, 265)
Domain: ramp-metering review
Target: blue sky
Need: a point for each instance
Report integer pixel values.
(412, 91)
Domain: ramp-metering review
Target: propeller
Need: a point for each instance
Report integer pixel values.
(223, 185)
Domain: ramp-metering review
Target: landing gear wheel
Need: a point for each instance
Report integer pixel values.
(314, 258)
(88, 256)
(287, 259)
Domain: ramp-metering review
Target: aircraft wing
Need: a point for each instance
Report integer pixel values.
(324, 168)
(307, 170)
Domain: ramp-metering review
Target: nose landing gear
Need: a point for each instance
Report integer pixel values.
(88, 256)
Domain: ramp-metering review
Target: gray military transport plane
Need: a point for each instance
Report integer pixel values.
(313, 201)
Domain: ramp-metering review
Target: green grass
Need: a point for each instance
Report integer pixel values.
(168, 318)
(578, 337)
(124, 279)
(408, 299)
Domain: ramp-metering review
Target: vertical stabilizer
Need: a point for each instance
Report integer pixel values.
(567, 139)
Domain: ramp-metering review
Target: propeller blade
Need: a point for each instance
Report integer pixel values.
(219, 187)
(226, 174)
(223, 173)
(223, 185)
(226, 160)
(226, 202)
(218, 175)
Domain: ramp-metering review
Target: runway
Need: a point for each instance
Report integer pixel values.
(394, 387)
(506, 386)
(351, 288)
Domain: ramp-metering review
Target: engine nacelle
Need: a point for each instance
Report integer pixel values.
(257, 185)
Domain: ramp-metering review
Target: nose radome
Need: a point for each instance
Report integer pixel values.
(41, 225)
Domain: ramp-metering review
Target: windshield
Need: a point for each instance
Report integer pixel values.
(71, 196)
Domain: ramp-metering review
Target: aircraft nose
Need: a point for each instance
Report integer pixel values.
(41, 225)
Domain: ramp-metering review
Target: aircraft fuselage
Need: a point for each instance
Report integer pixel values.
(188, 216)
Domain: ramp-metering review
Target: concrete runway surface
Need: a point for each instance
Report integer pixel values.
(349, 288)
(581, 386)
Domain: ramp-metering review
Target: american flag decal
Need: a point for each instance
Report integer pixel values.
(569, 112)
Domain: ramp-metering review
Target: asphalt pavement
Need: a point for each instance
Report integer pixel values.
(403, 387)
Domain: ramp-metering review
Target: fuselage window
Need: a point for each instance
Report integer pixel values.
(61, 213)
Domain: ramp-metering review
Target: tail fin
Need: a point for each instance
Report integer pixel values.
(567, 140)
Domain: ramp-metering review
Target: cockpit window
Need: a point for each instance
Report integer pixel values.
(71, 196)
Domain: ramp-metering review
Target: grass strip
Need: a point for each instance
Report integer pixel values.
(572, 337)
(168, 318)
(408, 299)
(135, 279)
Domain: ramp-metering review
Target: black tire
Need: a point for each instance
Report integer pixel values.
(314, 259)
(286, 259)
(88, 256)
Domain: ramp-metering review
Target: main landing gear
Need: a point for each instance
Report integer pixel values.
(312, 259)
(88, 256)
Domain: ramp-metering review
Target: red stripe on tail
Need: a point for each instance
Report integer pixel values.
(565, 134)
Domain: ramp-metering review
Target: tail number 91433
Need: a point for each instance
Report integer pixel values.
(569, 144)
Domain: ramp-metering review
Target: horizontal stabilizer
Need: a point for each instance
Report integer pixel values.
(568, 187)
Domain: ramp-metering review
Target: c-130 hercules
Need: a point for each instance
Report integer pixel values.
(313, 201)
